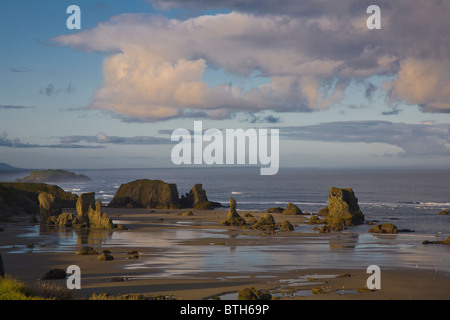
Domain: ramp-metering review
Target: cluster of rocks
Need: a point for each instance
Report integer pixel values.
(290, 209)
(89, 213)
(266, 222)
(145, 193)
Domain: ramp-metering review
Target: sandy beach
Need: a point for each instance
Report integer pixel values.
(181, 280)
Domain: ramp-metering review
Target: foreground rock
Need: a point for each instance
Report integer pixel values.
(292, 209)
(384, 228)
(196, 198)
(54, 176)
(253, 294)
(343, 210)
(233, 218)
(19, 198)
(147, 193)
(446, 241)
(265, 223)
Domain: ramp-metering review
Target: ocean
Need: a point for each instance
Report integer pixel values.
(410, 199)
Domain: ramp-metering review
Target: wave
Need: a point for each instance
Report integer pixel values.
(236, 192)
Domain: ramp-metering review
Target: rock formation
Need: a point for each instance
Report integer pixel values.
(275, 210)
(17, 198)
(233, 218)
(342, 210)
(49, 205)
(90, 212)
(265, 223)
(444, 213)
(292, 209)
(384, 228)
(286, 226)
(196, 198)
(146, 193)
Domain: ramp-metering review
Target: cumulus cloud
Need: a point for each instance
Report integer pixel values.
(418, 139)
(309, 51)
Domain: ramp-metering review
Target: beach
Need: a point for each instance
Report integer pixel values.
(195, 257)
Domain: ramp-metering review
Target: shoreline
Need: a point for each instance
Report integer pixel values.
(195, 260)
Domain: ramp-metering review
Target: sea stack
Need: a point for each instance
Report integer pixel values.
(342, 210)
(233, 218)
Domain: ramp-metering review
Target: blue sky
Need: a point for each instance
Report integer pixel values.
(341, 95)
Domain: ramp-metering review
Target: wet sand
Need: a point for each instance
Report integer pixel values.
(171, 266)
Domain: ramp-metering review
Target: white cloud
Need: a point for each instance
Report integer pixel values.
(309, 52)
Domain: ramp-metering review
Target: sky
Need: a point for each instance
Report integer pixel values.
(109, 95)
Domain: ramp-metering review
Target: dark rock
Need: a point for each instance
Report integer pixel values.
(292, 209)
(342, 210)
(55, 274)
(384, 228)
(196, 198)
(23, 198)
(253, 294)
(444, 212)
(233, 218)
(445, 241)
(146, 193)
(87, 251)
(325, 229)
(2, 267)
(105, 256)
(275, 210)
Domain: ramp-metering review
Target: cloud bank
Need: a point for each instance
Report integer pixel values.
(418, 139)
(309, 51)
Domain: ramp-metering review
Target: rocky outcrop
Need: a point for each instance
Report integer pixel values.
(292, 209)
(445, 241)
(146, 193)
(343, 210)
(233, 218)
(90, 213)
(265, 223)
(54, 176)
(275, 210)
(253, 294)
(49, 205)
(196, 198)
(17, 198)
(384, 228)
(287, 226)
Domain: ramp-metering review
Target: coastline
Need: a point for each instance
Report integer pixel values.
(197, 262)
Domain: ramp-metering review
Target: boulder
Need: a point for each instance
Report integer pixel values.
(85, 251)
(444, 212)
(265, 223)
(314, 220)
(233, 218)
(275, 210)
(55, 274)
(342, 210)
(445, 241)
(384, 228)
(105, 256)
(286, 226)
(146, 193)
(292, 209)
(253, 294)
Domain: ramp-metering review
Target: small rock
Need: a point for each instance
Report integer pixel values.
(55, 274)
